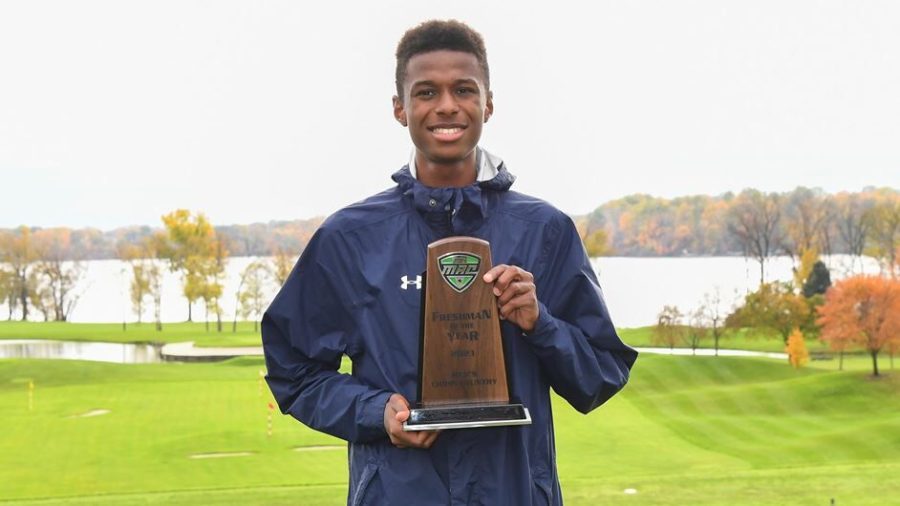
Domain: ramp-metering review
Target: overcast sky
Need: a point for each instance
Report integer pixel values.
(113, 113)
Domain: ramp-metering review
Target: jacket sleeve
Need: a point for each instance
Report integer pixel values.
(574, 337)
(305, 333)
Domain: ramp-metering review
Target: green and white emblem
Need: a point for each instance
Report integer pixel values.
(459, 270)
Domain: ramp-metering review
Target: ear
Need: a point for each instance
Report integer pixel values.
(399, 110)
(489, 106)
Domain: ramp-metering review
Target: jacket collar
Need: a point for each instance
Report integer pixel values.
(491, 173)
(487, 165)
(456, 210)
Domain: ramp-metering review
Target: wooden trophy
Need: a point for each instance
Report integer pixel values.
(462, 371)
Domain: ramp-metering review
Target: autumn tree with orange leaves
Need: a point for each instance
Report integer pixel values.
(798, 356)
(862, 311)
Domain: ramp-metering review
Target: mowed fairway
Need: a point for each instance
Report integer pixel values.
(687, 430)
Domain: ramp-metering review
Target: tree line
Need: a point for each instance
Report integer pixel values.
(38, 272)
(752, 223)
(256, 239)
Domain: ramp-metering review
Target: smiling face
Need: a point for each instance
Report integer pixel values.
(445, 103)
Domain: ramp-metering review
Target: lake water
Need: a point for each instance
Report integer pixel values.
(72, 350)
(635, 289)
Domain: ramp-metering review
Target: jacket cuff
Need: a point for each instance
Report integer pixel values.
(544, 328)
(371, 421)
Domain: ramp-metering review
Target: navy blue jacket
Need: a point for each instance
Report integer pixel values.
(353, 292)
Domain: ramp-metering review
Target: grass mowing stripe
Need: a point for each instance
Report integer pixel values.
(308, 495)
(859, 485)
(680, 433)
(133, 333)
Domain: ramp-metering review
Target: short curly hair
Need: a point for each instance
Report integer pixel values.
(436, 35)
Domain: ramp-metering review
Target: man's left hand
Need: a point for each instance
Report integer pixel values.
(516, 295)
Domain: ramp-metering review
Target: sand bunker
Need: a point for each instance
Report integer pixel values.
(93, 412)
(218, 455)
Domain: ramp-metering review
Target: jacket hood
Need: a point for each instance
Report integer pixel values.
(491, 173)
(456, 210)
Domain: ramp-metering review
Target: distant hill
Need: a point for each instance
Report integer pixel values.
(636, 225)
(255, 239)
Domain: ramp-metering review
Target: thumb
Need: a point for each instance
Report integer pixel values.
(401, 406)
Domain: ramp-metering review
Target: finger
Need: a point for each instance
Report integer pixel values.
(492, 274)
(432, 436)
(398, 402)
(402, 439)
(510, 275)
(524, 301)
(514, 290)
(400, 406)
(504, 279)
(424, 439)
(412, 439)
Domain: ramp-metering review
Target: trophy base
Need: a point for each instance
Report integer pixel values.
(466, 416)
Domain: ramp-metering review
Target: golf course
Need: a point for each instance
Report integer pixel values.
(685, 431)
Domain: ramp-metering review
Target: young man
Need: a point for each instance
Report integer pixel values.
(355, 292)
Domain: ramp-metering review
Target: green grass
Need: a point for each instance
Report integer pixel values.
(246, 336)
(733, 340)
(687, 430)
(134, 333)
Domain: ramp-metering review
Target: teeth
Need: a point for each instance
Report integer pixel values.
(447, 130)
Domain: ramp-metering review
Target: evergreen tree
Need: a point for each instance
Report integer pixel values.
(818, 281)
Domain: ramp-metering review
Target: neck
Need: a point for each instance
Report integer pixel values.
(446, 175)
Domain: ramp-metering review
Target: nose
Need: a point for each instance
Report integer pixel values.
(447, 104)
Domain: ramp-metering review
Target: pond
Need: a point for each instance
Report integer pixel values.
(74, 350)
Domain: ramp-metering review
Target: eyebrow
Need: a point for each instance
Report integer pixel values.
(431, 83)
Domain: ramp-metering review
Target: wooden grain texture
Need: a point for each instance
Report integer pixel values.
(462, 358)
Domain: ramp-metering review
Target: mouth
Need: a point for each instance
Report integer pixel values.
(447, 133)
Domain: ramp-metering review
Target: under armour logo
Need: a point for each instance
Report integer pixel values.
(405, 282)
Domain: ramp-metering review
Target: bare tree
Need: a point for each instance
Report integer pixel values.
(146, 275)
(804, 218)
(282, 263)
(251, 299)
(884, 226)
(138, 261)
(58, 276)
(39, 296)
(669, 329)
(850, 219)
(154, 282)
(828, 231)
(754, 221)
(713, 315)
(7, 290)
(60, 279)
(696, 330)
(17, 251)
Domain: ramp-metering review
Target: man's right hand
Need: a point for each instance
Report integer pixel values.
(396, 411)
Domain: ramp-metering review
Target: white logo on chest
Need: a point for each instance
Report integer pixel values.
(405, 282)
